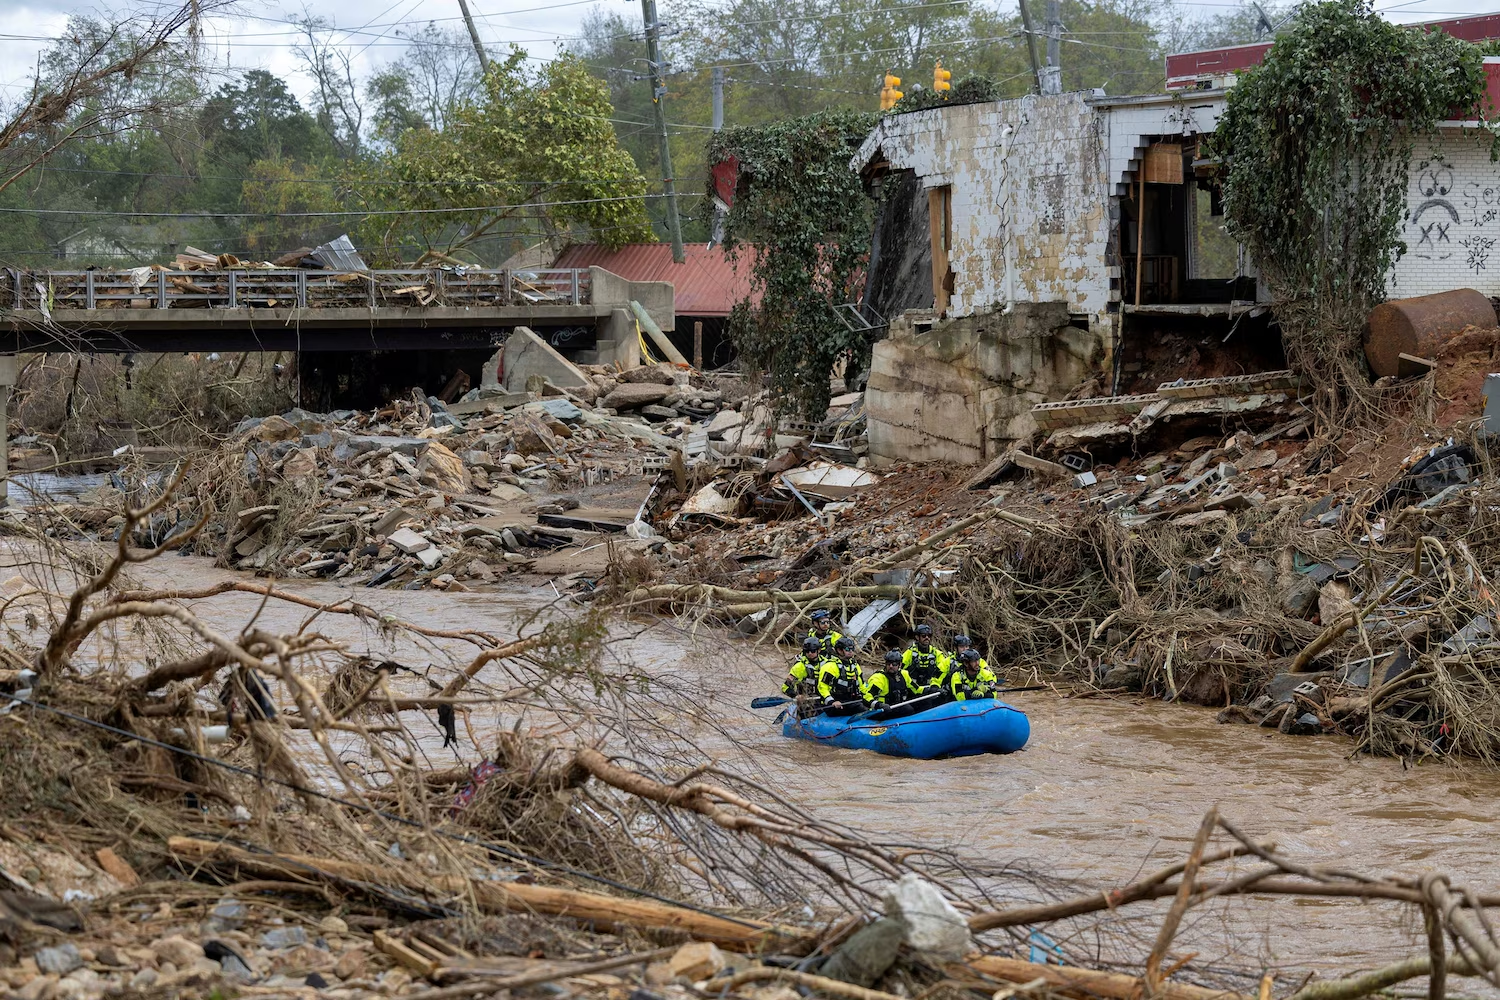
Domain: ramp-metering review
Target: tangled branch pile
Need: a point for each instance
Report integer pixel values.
(1365, 610)
(259, 810)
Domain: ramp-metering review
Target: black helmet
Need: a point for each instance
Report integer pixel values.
(969, 656)
(962, 640)
(844, 643)
(924, 631)
(819, 614)
(811, 645)
(892, 656)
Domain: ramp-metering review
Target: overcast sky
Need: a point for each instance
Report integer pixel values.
(262, 37)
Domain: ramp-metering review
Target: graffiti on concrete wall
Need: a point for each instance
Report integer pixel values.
(1431, 229)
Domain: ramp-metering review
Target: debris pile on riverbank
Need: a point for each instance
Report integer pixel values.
(193, 811)
(1303, 584)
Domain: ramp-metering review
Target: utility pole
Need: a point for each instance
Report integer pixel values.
(1036, 66)
(1052, 80)
(658, 92)
(718, 78)
(484, 60)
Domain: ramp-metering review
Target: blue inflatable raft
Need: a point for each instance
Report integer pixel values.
(956, 729)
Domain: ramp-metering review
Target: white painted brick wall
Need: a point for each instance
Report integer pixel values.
(1067, 158)
(1452, 226)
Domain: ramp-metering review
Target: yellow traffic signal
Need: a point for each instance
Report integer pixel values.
(940, 78)
(889, 95)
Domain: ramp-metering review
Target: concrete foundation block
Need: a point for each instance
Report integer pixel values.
(526, 355)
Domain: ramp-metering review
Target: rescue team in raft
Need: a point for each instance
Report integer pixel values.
(828, 675)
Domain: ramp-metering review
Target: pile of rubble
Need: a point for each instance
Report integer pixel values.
(1260, 567)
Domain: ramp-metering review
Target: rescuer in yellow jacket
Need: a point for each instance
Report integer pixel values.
(841, 681)
(802, 677)
(972, 678)
(823, 631)
(924, 667)
(886, 686)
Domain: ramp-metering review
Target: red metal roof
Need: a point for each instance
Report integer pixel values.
(1186, 69)
(706, 282)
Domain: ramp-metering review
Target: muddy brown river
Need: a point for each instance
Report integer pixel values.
(1105, 791)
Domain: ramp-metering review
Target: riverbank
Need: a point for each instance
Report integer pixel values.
(1295, 583)
(1106, 791)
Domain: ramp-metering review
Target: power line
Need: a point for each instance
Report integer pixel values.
(327, 215)
(362, 182)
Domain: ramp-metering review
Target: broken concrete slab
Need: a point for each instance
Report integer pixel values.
(360, 444)
(527, 355)
(441, 469)
(723, 422)
(409, 541)
(430, 557)
(633, 395)
(1040, 466)
(391, 520)
(559, 409)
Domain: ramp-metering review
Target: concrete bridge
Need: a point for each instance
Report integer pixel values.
(149, 310)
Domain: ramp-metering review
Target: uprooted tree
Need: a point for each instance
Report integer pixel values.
(1318, 141)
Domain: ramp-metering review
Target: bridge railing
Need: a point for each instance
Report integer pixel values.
(156, 288)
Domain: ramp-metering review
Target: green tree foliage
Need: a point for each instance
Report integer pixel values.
(1318, 142)
(535, 156)
(804, 213)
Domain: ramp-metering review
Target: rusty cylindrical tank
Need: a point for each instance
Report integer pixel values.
(1421, 326)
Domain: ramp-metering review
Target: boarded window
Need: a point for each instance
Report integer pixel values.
(940, 227)
(1164, 163)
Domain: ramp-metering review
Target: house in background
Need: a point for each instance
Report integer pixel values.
(1050, 246)
(707, 286)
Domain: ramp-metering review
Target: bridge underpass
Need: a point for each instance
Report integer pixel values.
(342, 326)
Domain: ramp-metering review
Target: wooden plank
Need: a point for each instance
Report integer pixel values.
(508, 897)
(1086, 984)
(1163, 163)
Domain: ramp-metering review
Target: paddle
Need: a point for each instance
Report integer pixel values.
(770, 701)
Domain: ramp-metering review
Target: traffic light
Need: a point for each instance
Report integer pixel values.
(889, 95)
(940, 78)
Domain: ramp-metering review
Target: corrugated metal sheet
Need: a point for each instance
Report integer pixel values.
(706, 283)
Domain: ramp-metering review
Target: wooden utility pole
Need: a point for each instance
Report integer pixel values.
(698, 344)
(484, 59)
(1036, 66)
(1052, 82)
(718, 106)
(658, 93)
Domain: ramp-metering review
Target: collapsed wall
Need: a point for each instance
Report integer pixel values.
(961, 390)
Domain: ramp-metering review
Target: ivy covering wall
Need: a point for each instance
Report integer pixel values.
(1318, 141)
(804, 211)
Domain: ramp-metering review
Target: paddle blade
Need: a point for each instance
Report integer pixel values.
(770, 701)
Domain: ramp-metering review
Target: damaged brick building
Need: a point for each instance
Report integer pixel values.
(1026, 247)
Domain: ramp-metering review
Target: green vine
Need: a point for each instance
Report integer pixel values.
(1318, 142)
(803, 212)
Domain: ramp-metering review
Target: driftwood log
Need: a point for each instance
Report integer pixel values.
(505, 897)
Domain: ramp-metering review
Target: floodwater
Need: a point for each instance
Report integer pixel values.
(1106, 790)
